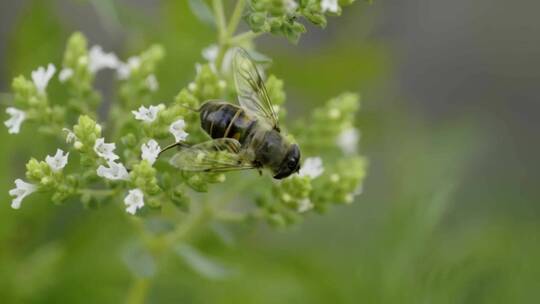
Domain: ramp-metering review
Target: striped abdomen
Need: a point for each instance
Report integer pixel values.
(225, 120)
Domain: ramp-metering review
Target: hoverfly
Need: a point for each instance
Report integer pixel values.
(248, 135)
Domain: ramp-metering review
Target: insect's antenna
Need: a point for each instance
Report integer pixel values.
(176, 144)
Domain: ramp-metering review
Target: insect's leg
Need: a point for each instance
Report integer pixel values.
(177, 144)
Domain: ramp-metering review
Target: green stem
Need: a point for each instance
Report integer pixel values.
(235, 18)
(97, 192)
(219, 14)
(238, 39)
(138, 291)
(197, 218)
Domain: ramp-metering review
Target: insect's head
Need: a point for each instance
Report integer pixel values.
(290, 163)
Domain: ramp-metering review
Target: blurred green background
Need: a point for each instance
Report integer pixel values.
(450, 210)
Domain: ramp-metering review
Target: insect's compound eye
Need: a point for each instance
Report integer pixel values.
(291, 164)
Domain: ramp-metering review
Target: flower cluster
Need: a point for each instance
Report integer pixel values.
(118, 159)
(281, 17)
(121, 157)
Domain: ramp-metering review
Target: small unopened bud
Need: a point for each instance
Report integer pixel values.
(78, 145)
(334, 114)
(286, 197)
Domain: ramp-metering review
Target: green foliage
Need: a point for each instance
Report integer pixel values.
(197, 239)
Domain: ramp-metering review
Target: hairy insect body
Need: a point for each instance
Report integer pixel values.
(225, 120)
(259, 142)
(247, 136)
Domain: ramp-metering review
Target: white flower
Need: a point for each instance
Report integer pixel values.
(99, 60)
(115, 171)
(329, 6)
(177, 129)
(152, 83)
(41, 77)
(124, 69)
(150, 151)
(304, 205)
(70, 136)
(147, 114)
(210, 53)
(134, 200)
(312, 167)
(22, 189)
(291, 6)
(58, 161)
(65, 74)
(104, 150)
(347, 140)
(14, 122)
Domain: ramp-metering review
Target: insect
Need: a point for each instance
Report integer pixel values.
(243, 137)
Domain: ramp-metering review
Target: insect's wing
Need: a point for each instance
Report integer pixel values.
(218, 155)
(252, 93)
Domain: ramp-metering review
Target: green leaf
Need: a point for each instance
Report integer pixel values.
(139, 260)
(201, 10)
(202, 264)
(223, 233)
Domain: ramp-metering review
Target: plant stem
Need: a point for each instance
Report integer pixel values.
(219, 14)
(235, 18)
(138, 291)
(98, 192)
(236, 40)
(197, 218)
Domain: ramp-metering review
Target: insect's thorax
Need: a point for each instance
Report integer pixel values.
(225, 120)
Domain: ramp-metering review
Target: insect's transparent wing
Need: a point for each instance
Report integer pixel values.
(218, 155)
(252, 93)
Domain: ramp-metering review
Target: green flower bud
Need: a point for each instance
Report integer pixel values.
(207, 84)
(36, 170)
(87, 131)
(143, 176)
(129, 140)
(340, 184)
(328, 122)
(196, 182)
(180, 199)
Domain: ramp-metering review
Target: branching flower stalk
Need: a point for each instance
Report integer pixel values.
(116, 162)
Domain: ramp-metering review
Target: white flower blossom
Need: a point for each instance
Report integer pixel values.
(115, 171)
(65, 74)
(58, 161)
(177, 130)
(104, 150)
(329, 6)
(152, 83)
(99, 60)
(147, 114)
(210, 53)
(124, 69)
(41, 77)
(304, 205)
(14, 122)
(312, 167)
(134, 200)
(347, 140)
(291, 6)
(22, 189)
(70, 136)
(150, 151)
